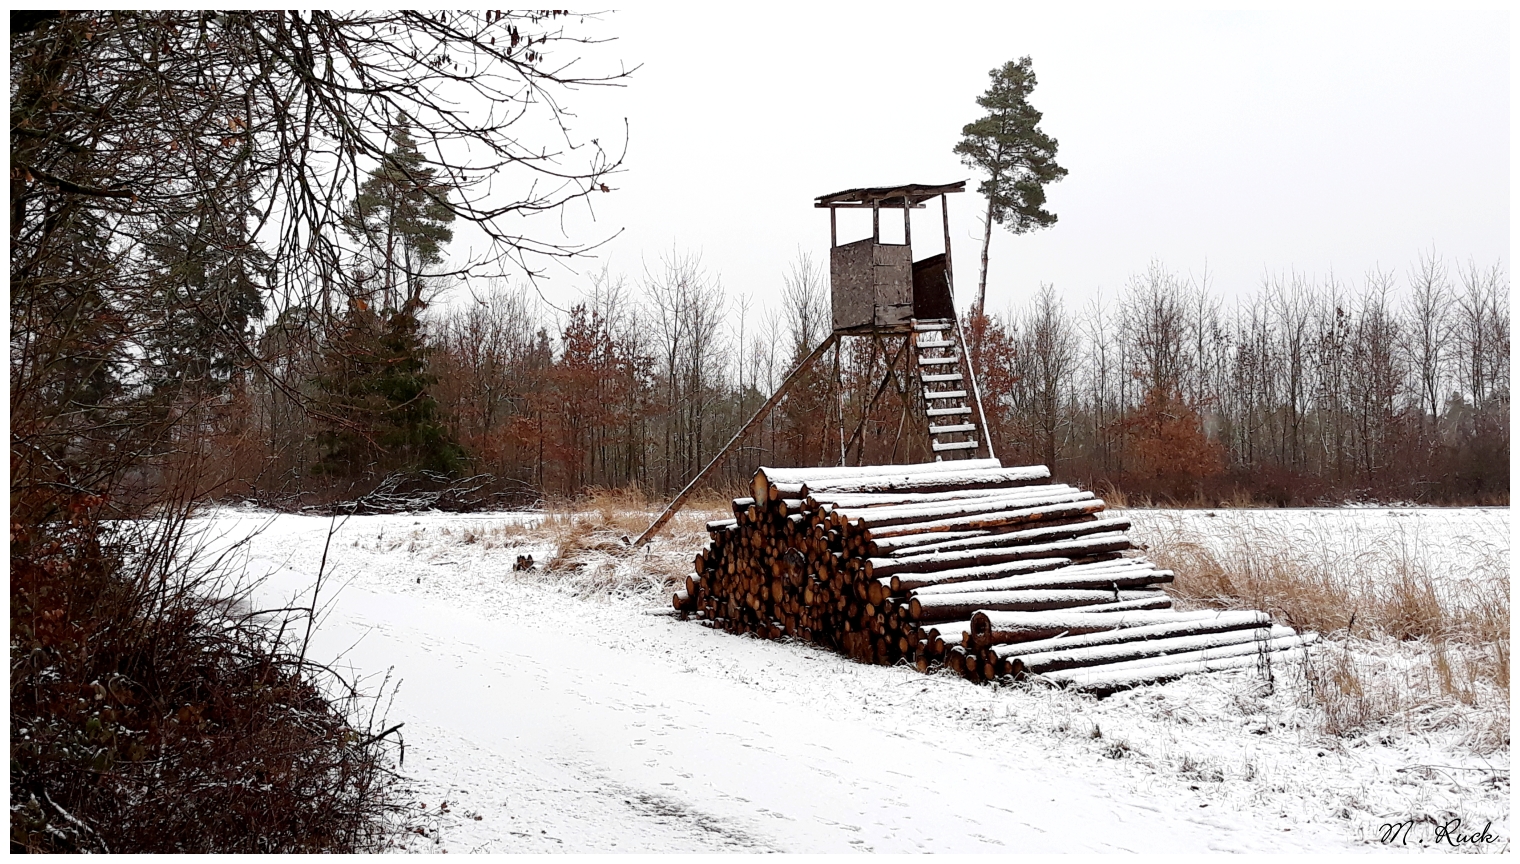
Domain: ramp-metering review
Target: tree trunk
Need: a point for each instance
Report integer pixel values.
(981, 285)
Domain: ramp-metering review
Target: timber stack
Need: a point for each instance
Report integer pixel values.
(989, 571)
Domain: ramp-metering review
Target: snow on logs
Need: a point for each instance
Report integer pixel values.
(989, 571)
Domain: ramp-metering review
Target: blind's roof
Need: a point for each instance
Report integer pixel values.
(908, 194)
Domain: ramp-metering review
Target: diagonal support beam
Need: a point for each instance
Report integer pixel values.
(765, 409)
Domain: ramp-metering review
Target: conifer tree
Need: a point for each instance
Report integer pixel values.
(375, 376)
(1019, 158)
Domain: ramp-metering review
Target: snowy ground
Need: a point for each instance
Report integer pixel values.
(556, 720)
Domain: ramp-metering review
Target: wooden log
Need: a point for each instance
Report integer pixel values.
(683, 602)
(944, 607)
(1015, 536)
(1182, 624)
(1276, 643)
(943, 482)
(1157, 600)
(997, 628)
(1018, 516)
(911, 581)
(922, 564)
(862, 500)
(1060, 578)
(876, 518)
(1102, 655)
(889, 545)
(904, 582)
(949, 630)
(1109, 679)
(766, 477)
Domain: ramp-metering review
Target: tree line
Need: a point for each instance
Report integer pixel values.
(1305, 390)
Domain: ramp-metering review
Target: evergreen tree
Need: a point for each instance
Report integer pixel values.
(375, 367)
(1019, 158)
(208, 291)
(400, 215)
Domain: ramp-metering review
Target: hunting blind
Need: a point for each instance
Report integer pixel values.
(879, 292)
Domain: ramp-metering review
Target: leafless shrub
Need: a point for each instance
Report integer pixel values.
(148, 714)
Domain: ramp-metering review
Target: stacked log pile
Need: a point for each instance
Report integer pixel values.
(989, 571)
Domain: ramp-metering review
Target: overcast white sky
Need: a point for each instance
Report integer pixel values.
(1254, 142)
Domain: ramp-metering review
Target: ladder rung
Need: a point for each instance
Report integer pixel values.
(946, 430)
(959, 445)
(935, 361)
(931, 325)
(940, 379)
(946, 412)
(944, 394)
(935, 343)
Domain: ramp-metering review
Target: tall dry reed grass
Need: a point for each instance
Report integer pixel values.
(1414, 639)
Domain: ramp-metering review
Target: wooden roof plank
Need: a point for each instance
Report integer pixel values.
(913, 194)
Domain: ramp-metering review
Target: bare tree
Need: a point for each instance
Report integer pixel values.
(1156, 316)
(1376, 374)
(1429, 334)
(1291, 313)
(805, 302)
(1482, 325)
(1046, 348)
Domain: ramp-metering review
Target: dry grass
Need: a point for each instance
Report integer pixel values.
(590, 541)
(1410, 644)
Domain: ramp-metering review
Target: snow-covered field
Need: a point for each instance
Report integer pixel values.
(1460, 544)
(550, 715)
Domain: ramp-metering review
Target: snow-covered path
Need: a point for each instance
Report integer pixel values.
(572, 724)
(565, 742)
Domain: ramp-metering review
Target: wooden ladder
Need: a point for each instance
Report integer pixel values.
(947, 399)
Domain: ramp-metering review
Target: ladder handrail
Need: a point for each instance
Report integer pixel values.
(960, 338)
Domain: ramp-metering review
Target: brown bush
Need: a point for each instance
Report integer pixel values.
(147, 716)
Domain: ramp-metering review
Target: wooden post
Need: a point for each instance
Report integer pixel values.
(907, 225)
(944, 209)
(839, 397)
(759, 415)
(875, 221)
(833, 228)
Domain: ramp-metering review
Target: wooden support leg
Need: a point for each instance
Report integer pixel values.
(765, 409)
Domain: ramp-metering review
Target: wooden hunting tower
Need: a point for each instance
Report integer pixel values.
(876, 286)
(880, 292)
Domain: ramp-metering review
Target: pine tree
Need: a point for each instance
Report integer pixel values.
(1019, 158)
(375, 367)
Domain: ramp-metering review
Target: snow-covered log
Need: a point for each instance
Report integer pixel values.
(766, 477)
(1016, 536)
(949, 480)
(996, 519)
(904, 582)
(920, 566)
(999, 628)
(1121, 652)
(863, 500)
(1138, 577)
(1108, 679)
(882, 517)
(892, 563)
(943, 607)
(1126, 629)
